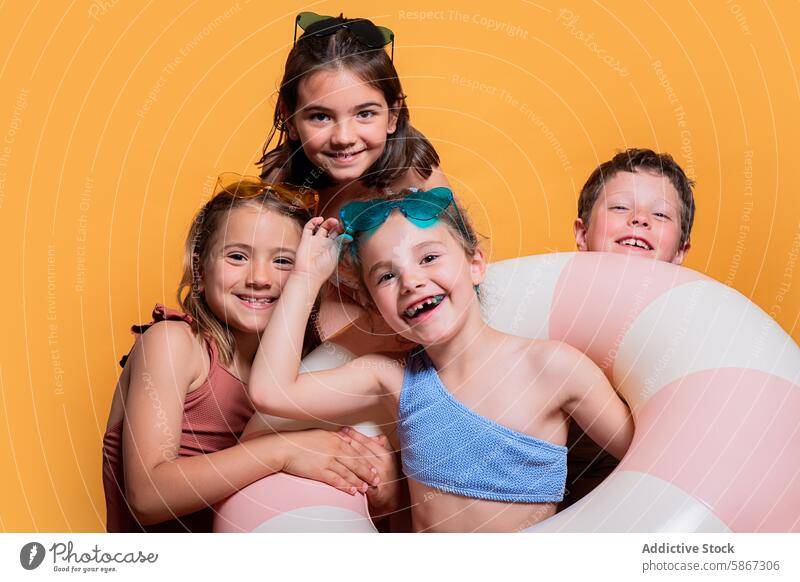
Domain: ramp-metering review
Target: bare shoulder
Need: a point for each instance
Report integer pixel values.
(560, 359)
(566, 370)
(171, 346)
(174, 335)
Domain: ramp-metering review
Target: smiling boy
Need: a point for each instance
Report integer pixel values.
(638, 203)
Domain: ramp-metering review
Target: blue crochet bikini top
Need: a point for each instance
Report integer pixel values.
(450, 447)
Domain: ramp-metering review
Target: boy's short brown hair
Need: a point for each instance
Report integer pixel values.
(640, 160)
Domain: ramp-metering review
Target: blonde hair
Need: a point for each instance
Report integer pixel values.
(199, 244)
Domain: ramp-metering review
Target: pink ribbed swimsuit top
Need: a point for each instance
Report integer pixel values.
(214, 416)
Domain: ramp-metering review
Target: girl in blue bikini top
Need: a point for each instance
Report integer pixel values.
(482, 415)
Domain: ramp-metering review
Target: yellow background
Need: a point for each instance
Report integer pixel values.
(115, 118)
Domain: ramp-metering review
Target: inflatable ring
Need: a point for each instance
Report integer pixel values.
(283, 503)
(712, 381)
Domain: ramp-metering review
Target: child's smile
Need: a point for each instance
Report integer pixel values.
(256, 301)
(345, 157)
(635, 242)
(342, 123)
(637, 214)
(423, 285)
(421, 310)
(253, 257)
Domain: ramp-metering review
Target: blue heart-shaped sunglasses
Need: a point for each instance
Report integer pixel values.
(422, 208)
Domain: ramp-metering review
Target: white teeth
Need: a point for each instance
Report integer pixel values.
(345, 155)
(257, 300)
(632, 242)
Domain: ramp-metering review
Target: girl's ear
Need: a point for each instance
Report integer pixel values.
(394, 113)
(288, 124)
(293, 135)
(477, 267)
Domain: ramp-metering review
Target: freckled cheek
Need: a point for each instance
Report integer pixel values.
(669, 243)
(669, 238)
(598, 235)
(606, 228)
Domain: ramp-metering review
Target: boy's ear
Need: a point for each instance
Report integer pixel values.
(579, 228)
(394, 113)
(477, 267)
(681, 254)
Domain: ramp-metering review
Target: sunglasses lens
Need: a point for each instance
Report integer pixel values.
(362, 216)
(419, 207)
(240, 186)
(367, 33)
(420, 210)
(317, 25)
(301, 197)
(426, 208)
(327, 25)
(388, 35)
(306, 19)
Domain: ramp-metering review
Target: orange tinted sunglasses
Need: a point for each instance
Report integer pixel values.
(243, 186)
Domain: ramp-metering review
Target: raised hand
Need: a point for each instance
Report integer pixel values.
(318, 253)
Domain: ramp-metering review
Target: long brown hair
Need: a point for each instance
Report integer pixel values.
(405, 149)
(198, 247)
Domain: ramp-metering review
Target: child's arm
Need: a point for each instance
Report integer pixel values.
(160, 485)
(275, 385)
(591, 401)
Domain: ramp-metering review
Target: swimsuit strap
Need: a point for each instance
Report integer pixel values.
(164, 313)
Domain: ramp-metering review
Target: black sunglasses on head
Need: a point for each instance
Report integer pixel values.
(365, 31)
